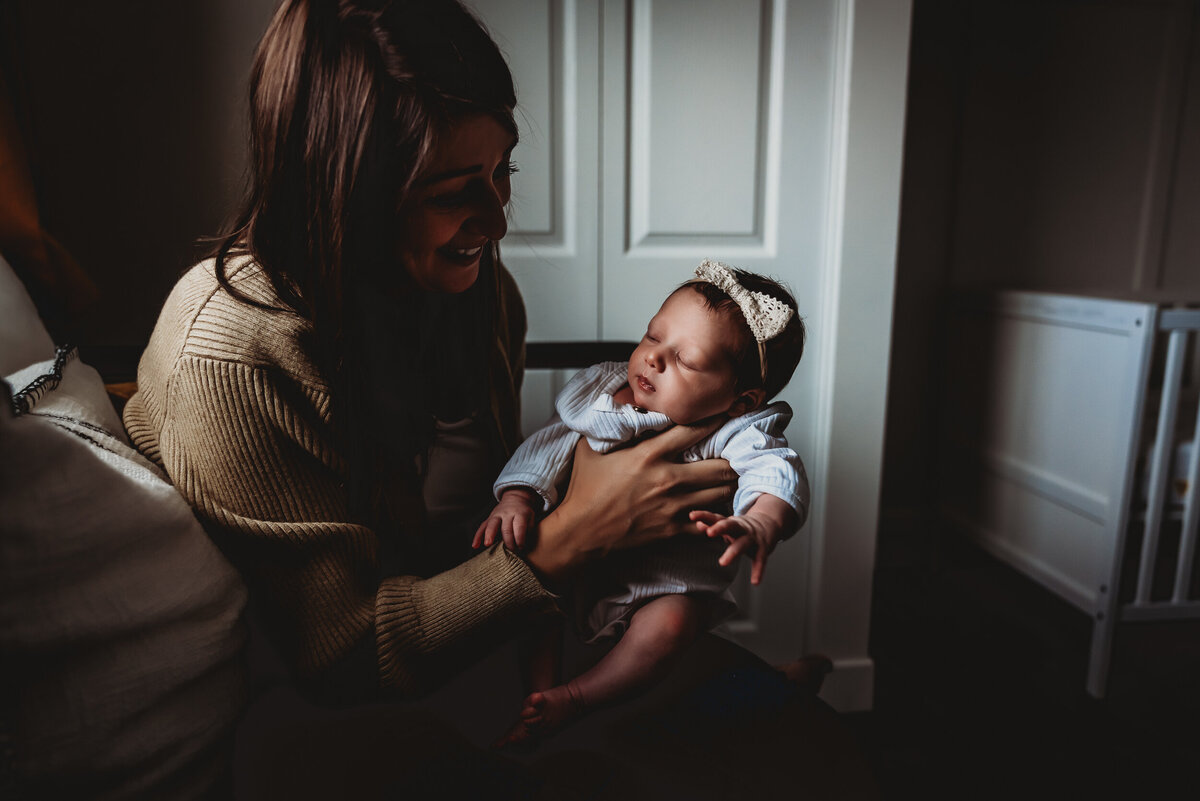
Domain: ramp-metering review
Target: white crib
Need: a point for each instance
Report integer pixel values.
(1069, 450)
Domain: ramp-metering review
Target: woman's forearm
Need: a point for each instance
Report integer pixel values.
(554, 556)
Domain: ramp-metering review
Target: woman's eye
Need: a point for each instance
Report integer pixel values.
(452, 200)
(505, 170)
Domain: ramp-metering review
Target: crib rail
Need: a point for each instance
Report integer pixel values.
(1178, 325)
(1066, 416)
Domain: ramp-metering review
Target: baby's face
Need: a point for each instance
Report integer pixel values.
(683, 367)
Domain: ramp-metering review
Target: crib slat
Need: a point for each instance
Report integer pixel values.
(1191, 513)
(1161, 462)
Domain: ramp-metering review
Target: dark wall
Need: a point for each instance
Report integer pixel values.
(1050, 145)
(132, 115)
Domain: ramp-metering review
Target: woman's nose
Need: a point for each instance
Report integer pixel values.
(491, 218)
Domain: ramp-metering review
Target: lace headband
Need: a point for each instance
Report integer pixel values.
(765, 315)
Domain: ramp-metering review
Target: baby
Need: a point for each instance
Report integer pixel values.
(722, 344)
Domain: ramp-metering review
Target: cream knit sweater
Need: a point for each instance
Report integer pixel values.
(231, 407)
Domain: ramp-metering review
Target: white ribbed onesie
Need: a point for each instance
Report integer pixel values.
(612, 590)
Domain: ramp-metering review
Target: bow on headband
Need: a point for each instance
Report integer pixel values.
(765, 315)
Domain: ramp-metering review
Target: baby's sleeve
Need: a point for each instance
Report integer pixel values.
(764, 463)
(540, 463)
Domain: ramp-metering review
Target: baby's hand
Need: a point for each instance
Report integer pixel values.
(755, 533)
(512, 519)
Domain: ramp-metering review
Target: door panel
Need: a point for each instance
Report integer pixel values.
(552, 48)
(693, 176)
(653, 137)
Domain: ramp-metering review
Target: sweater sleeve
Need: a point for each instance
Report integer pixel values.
(248, 446)
(541, 462)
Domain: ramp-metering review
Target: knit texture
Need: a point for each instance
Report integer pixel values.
(230, 405)
(752, 443)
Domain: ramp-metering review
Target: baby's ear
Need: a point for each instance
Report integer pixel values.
(746, 402)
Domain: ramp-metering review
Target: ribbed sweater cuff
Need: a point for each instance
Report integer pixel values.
(417, 619)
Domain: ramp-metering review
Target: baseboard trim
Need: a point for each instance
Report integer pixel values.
(851, 685)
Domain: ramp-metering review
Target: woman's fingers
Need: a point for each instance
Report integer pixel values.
(704, 473)
(629, 497)
(677, 439)
(703, 498)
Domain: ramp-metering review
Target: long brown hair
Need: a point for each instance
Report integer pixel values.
(347, 99)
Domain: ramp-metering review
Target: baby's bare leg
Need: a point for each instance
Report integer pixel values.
(540, 657)
(658, 633)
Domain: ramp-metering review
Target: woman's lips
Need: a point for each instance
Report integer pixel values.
(463, 256)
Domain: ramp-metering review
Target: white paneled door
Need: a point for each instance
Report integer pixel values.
(656, 133)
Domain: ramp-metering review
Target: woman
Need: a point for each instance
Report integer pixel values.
(343, 377)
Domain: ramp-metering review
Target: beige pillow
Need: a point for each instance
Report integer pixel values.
(23, 338)
(120, 622)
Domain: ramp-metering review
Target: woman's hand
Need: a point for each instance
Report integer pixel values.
(630, 497)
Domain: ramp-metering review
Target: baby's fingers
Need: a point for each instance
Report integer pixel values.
(520, 525)
(506, 532)
(736, 549)
(758, 566)
(726, 527)
(481, 533)
(493, 531)
(704, 517)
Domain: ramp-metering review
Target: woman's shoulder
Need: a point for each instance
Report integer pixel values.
(203, 319)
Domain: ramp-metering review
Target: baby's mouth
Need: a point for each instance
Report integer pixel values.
(644, 385)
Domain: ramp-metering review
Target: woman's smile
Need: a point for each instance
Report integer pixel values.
(457, 208)
(464, 257)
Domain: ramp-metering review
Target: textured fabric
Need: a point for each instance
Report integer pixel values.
(608, 594)
(120, 621)
(231, 406)
(752, 443)
(23, 338)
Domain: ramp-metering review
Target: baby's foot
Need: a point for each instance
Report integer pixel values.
(545, 712)
(519, 737)
(808, 672)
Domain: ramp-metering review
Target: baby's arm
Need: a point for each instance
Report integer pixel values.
(755, 532)
(527, 484)
(511, 520)
(772, 496)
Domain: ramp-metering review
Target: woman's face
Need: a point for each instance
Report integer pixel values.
(457, 206)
